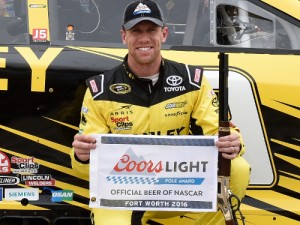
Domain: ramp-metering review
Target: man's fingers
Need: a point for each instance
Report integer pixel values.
(84, 138)
(229, 156)
(229, 145)
(232, 137)
(84, 142)
(83, 145)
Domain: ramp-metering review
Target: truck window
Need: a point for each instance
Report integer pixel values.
(85, 21)
(193, 22)
(13, 22)
(247, 25)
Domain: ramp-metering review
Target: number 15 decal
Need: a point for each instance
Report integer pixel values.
(39, 35)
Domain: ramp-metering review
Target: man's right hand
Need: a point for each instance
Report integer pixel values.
(82, 145)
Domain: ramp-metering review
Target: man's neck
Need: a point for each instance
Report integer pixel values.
(144, 70)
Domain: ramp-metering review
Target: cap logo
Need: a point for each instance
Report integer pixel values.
(139, 11)
(141, 8)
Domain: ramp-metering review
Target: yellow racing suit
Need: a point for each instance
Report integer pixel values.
(181, 102)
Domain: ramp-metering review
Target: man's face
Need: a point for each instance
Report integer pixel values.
(144, 41)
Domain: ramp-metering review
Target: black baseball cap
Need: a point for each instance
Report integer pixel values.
(142, 10)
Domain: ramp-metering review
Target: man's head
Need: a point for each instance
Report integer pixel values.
(142, 10)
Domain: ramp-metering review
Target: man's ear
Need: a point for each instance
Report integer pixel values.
(123, 36)
(165, 34)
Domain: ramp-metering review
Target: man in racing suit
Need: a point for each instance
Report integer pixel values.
(148, 94)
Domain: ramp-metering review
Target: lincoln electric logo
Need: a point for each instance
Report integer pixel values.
(131, 164)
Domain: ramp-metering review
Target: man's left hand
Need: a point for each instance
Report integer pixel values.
(229, 145)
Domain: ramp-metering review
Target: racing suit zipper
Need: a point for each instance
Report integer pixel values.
(150, 89)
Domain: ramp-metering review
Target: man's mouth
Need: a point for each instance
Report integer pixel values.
(144, 48)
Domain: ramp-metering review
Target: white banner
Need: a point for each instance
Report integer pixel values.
(144, 172)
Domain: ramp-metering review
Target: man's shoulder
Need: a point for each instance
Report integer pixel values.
(98, 83)
(193, 73)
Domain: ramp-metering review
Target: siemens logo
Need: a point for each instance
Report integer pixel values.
(21, 194)
(18, 194)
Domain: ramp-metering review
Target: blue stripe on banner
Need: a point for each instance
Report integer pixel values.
(180, 181)
(157, 141)
(131, 180)
(155, 180)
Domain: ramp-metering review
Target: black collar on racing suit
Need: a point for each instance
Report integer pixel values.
(132, 76)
